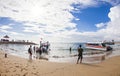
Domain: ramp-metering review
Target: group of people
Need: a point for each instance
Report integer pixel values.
(43, 48)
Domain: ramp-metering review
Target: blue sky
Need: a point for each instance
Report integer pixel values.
(73, 20)
(91, 16)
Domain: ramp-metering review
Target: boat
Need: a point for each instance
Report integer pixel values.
(97, 46)
(109, 42)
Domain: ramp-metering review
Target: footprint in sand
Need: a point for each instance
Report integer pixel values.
(34, 67)
(26, 66)
(17, 66)
(7, 71)
(25, 74)
(35, 73)
(17, 75)
(22, 69)
(12, 69)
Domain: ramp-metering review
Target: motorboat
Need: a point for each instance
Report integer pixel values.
(109, 42)
(97, 46)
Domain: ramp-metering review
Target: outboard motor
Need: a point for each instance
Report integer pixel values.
(109, 48)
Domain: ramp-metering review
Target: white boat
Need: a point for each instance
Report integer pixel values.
(96, 46)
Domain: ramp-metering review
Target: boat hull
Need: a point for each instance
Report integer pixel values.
(93, 48)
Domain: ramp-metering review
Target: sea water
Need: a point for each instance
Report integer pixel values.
(59, 52)
(15, 49)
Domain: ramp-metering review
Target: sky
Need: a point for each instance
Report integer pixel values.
(60, 20)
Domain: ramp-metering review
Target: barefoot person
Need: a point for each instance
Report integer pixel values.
(80, 54)
(30, 52)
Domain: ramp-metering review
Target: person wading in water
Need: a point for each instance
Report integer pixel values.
(30, 52)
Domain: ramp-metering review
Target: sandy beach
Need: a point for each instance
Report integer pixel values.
(15, 66)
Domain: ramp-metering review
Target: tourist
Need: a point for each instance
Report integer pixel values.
(30, 52)
(34, 48)
(47, 46)
(40, 52)
(5, 55)
(37, 52)
(70, 50)
(80, 54)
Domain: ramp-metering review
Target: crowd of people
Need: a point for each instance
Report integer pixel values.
(38, 51)
(44, 48)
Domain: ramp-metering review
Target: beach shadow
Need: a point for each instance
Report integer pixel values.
(92, 65)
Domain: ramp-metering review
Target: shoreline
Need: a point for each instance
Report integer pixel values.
(87, 58)
(16, 66)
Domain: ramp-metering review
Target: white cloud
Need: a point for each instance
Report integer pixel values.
(2, 30)
(114, 13)
(109, 32)
(113, 2)
(114, 24)
(46, 12)
(52, 18)
(55, 14)
(14, 33)
(5, 27)
(100, 25)
(8, 29)
(112, 30)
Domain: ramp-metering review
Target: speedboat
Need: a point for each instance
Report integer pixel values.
(97, 46)
(109, 42)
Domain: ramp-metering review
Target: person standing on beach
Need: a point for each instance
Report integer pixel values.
(70, 50)
(30, 52)
(80, 54)
(5, 55)
(34, 48)
(39, 52)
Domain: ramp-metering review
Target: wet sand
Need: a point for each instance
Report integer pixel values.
(15, 66)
